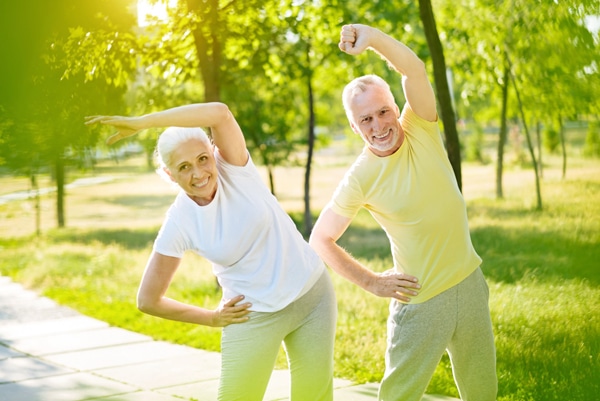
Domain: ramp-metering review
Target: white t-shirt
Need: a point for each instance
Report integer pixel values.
(253, 244)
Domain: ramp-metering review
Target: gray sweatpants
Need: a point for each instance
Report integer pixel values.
(457, 320)
(307, 329)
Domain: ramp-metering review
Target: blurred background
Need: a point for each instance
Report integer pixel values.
(514, 74)
(517, 83)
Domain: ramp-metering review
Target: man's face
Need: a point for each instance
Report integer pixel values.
(375, 119)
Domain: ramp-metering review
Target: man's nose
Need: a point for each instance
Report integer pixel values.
(377, 124)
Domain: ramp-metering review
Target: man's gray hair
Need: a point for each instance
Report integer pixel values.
(358, 86)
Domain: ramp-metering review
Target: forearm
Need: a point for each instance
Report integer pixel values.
(192, 115)
(417, 88)
(396, 53)
(170, 309)
(343, 263)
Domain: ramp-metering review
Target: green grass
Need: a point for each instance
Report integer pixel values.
(543, 269)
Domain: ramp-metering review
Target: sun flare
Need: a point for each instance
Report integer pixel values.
(146, 10)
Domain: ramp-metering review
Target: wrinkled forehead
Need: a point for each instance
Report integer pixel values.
(369, 100)
(189, 150)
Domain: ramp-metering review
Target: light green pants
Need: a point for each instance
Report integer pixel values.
(307, 329)
(457, 321)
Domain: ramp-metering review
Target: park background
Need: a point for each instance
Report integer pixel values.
(517, 83)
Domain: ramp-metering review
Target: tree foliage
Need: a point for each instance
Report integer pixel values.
(553, 53)
(277, 65)
(42, 110)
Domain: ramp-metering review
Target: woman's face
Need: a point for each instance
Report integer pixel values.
(194, 169)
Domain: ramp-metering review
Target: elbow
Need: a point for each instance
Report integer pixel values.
(223, 111)
(316, 242)
(419, 69)
(312, 240)
(145, 305)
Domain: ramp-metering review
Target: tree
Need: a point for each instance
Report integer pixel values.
(554, 57)
(441, 84)
(316, 42)
(40, 105)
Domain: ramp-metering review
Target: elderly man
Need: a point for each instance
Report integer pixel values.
(439, 297)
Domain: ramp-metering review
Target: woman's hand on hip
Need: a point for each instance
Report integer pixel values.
(230, 312)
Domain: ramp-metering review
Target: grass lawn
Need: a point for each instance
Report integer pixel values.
(543, 268)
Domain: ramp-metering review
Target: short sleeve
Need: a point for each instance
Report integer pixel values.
(347, 198)
(170, 240)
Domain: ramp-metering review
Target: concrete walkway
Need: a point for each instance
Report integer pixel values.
(52, 353)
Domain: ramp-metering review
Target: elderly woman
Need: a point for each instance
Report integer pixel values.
(275, 287)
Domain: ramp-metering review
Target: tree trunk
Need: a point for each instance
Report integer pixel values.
(539, 146)
(441, 84)
(561, 133)
(502, 134)
(209, 49)
(529, 144)
(36, 200)
(59, 171)
(264, 155)
(271, 179)
(311, 144)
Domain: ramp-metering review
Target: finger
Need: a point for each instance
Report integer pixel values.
(402, 298)
(93, 119)
(240, 320)
(407, 291)
(409, 284)
(240, 308)
(240, 314)
(234, 300)
(401, 276)
(114, 138)
(348, 36)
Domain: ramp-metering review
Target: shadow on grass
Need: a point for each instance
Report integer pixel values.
(140, 201)
(509, 255)
(138, 238)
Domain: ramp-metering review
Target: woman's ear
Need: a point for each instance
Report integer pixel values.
(168, 172)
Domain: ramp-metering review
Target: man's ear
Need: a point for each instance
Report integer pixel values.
(354, 128)
(397, 110)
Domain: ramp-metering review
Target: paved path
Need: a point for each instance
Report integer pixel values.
(52, 353)
(22, 195)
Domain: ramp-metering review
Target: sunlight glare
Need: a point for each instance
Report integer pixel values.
(146, 10)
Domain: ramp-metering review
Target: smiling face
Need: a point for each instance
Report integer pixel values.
(375, 118)
(193, 167)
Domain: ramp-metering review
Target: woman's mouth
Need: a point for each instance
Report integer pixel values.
(200, 184)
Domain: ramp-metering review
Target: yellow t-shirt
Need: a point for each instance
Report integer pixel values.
(413, 195)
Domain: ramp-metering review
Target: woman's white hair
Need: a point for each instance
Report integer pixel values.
(169, 141)
(360, 85)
